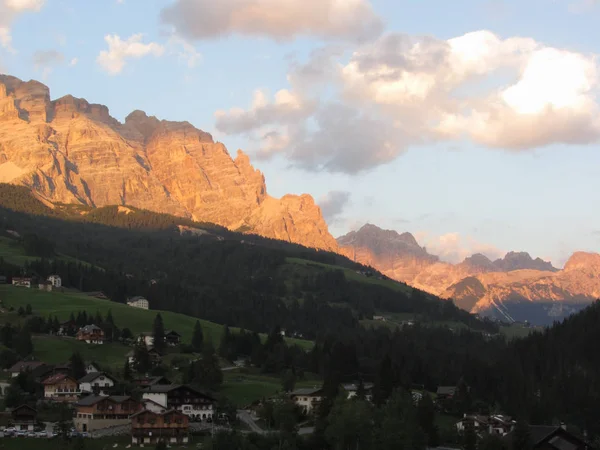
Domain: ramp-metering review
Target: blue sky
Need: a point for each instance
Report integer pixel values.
(472, 124)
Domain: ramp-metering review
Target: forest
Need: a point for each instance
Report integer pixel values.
(549, 377)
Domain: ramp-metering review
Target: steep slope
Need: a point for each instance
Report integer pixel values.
(71, 151)
(516, 287)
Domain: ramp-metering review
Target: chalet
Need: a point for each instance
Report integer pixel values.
(353, 388)
(55, 281)
(172, 338)
(151, 381)
(445, 392)
(416, 395)
(22, 282)
(552, 438)
(138, 302)
(24, 366)
(97, 412)
(155, 357)
(150, 428)
(24, 417)
(500, 425)
(194, 404)
(91, 334)
(307, 399)
(61, 388)
(98, 383)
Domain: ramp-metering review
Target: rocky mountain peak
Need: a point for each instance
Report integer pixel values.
(71, 151)
(585, 262)
(522, 261)
(479, 262)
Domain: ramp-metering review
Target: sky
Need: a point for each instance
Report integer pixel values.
(473, 124)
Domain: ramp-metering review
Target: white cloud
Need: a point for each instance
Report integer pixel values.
(402, 91)
(184, 51)
(454, 248)
(287, 107)
(9, 10)
(278, 19)
(73, 62)
(119, 51)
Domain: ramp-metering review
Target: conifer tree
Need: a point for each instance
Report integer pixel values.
(198, 337)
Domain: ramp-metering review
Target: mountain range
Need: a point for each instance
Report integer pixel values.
(516, 287)
(70, 151)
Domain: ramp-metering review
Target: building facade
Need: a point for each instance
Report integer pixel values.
(150, 428)
(138, 302)
(98, 383)
(91, 334)
(194, 404)
(307, 399)
(22, 282)
(61, 388)
(98, 412)
(55, 281)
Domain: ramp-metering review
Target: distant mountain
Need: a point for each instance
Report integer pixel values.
(516, 287)
(70, 151)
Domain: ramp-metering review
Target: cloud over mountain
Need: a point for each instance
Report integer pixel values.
(401, 91)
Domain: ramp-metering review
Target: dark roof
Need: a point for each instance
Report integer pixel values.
(93, 399)
(53, 379)
(540, 433)
(93, 375)
(446, 390)
(90, 328)
(165, 388)
(172, 332)
(150, 381)
(25, 365)
(135, 298)
(164, 413)
(306, 391)
(23, 406)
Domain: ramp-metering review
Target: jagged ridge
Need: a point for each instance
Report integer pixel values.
(71, 151)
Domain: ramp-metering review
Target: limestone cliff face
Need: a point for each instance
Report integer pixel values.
(71, 151)
(477, 284)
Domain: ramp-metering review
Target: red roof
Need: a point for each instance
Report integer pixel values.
(56, 378)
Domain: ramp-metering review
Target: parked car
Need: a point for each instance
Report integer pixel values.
(21, 433)
(41, 434)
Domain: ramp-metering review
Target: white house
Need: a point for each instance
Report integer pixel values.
(307, 399)
(55, 281)
(22, 282)
(98, 383)
(194, 404)
(138, 302)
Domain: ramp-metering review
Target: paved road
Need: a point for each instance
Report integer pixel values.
(245, 417)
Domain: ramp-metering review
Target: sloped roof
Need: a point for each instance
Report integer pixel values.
(90, 328)
(93, 375)
(93, 399)
(25, 365)
(57, 378)
(306, 391)
(446, 390)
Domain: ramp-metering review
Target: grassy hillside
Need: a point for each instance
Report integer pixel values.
(352, 275)
(61, 304)
(12, 252)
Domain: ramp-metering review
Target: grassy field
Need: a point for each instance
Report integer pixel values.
(62, 304)
(244, 389)
(516, 331)
(351, 275)
(12, 252)
(120, 442)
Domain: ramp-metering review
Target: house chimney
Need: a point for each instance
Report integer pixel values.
(563, 426)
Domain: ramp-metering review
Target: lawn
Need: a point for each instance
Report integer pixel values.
(62, 304)
(516, 331)
(246, 388)
(351, 275)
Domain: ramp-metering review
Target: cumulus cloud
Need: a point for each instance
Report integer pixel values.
(454, 248)
(46, 60)
(119, 51)
(184, 51)
(287, 107)
(333, 203)
(402, 91)
(281, 20)
(9, 10)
